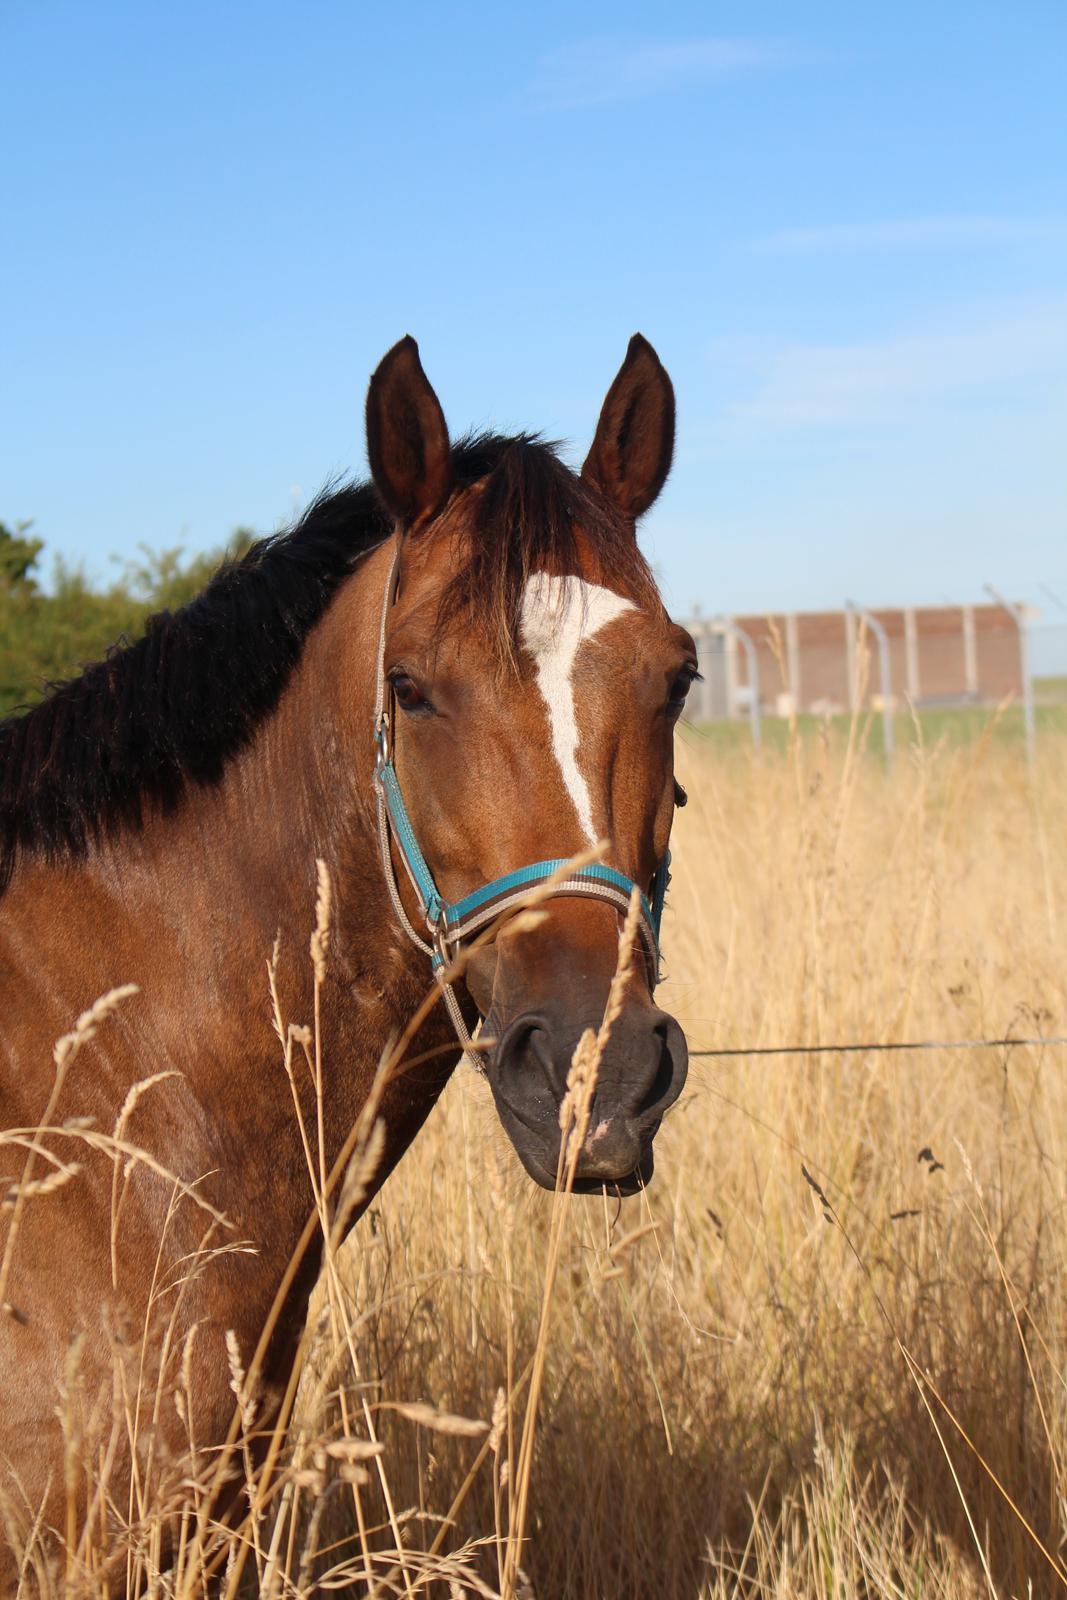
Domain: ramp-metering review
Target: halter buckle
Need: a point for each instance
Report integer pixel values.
(381, 739)
(443, 956)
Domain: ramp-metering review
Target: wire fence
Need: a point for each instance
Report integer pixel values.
(890, 662)
(880, 1047)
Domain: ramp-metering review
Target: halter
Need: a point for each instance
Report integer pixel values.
(450, 922)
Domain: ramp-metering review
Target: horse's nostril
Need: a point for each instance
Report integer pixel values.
(540, 1048)
(660, 1084)
(525, 1043)
(670, 1068)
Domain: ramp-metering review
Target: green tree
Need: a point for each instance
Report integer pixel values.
(18, 556)
(48, 634)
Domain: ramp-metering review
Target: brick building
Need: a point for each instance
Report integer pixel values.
(820, 661)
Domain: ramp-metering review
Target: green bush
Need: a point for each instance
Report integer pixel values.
(48, 634)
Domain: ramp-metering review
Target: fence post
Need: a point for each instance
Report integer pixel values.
(1019, 619)
(792, 656)
(730, 628)
(970, 653)
(850, 659)
(885, 677)
(911, 655)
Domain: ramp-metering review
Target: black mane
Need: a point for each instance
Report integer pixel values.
(134, 731)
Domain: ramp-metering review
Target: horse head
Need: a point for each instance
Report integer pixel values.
(533, 681)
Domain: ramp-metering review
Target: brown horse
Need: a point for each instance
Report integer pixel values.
(486, 615)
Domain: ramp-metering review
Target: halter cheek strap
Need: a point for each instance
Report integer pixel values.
(449, 923)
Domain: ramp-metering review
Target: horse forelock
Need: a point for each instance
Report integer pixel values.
(532, 515)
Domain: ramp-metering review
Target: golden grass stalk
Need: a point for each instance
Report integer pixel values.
(574, 1114)
(710, 1390)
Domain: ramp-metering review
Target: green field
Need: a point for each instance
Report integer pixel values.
(954, 726)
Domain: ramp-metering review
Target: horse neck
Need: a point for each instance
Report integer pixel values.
(316, 755)
(235, 868)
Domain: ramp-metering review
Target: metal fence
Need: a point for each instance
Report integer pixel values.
(878, 659)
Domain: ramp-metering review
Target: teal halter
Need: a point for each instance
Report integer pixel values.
(450, 922)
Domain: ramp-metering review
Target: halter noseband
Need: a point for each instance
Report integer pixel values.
(450, 922)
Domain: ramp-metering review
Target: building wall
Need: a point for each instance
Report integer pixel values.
(958, 654)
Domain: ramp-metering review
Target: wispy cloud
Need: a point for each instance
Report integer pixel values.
(908, 233)
(598, 72)
(848, 385)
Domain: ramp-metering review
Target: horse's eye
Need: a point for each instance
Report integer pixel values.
(680, 689)
(407, 693)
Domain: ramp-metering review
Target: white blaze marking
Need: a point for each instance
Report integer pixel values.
(558, 616)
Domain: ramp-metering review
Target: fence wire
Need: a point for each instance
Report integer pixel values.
(880, 1047)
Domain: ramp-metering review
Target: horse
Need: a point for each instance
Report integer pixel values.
(439, 684)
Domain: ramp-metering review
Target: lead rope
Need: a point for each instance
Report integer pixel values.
(383, 734)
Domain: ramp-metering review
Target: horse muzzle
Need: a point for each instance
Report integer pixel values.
(640, 1074)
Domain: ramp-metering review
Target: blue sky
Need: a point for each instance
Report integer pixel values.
(844, 228)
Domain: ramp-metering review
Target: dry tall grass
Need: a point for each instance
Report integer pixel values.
(825, 1354)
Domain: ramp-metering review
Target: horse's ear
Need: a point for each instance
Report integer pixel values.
(631, 454)
(407, 438)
